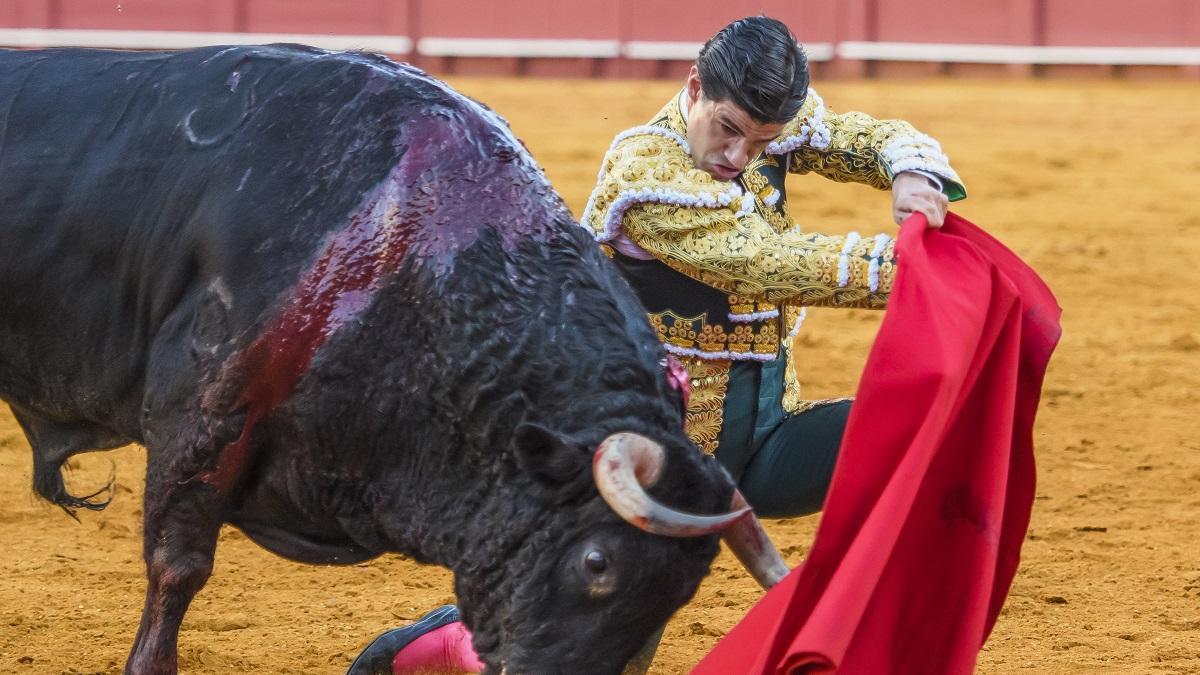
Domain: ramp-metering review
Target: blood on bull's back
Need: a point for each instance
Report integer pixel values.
(131, 176)
(342, 309)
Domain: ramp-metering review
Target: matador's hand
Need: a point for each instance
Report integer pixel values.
(914, 193)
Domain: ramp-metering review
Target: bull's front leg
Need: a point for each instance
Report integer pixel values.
(183, 517)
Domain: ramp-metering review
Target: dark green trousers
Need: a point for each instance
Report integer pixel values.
(782, 463)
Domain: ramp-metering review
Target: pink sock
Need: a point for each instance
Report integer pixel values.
(444, 650)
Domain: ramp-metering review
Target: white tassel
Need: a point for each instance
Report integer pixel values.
(799, 322)
(754, 316)
(632, 197)
(717, 356)
(852, 240)
(881, 242)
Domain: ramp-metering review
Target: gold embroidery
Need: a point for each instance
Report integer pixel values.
(777, 219)
(856, 140)
(805, 406)
(843, 167)
(791, 373)
(695, 332)
(705, 413)
(756, 183)
(671, 117)
(739, 304)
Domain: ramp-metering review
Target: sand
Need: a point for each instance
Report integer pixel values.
(1096, 184)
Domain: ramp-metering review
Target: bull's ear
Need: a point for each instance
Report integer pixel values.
(554, 459)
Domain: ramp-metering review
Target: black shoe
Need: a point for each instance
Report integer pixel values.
(376, 658)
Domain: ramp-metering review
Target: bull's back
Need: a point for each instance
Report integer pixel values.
(133, 186)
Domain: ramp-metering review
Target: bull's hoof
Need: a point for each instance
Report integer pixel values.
(376, 658)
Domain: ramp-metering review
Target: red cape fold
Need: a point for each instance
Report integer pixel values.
(930, 501)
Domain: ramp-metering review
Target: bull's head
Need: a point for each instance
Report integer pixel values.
(600, 587)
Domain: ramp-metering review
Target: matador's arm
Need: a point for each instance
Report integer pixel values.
(708, 229)
(855, 147)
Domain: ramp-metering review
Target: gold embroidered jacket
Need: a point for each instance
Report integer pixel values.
(737, 237)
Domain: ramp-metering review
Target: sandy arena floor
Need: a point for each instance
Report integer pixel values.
(1096, 184)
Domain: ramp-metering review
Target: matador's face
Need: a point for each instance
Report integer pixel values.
(723, 137)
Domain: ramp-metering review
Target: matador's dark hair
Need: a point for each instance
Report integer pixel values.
(757, 64)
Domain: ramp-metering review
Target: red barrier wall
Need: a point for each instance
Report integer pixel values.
(620, 23)
(683, 20)
(370, 17)
(528, 19)
(521, 18)
(200, 15)
(1165, 23)
(947, 21)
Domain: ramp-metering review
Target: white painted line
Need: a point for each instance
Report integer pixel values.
(642, 50)
(662, 51)
(964, 53)
(687, 51)
(178, 39)
(531, 48)
(819, 51)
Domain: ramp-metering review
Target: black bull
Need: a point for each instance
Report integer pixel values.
(344, 311)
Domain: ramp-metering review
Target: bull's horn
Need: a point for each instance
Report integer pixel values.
(750, 543)
(624, 465)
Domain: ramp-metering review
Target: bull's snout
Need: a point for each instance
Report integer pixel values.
(625, 464)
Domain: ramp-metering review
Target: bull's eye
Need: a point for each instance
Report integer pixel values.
(595, 562)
